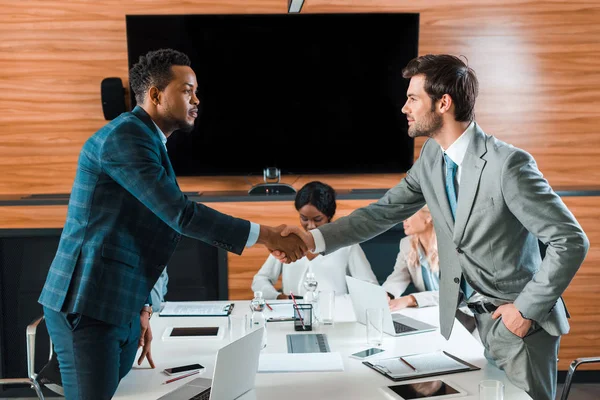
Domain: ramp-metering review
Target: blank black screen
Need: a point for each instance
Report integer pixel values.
(306, 93)
(421, 390)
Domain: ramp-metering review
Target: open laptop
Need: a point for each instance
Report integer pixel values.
(368, 295)
(234, 373)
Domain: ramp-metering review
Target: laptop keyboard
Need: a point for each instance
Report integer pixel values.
(205, 395)
(401, 328)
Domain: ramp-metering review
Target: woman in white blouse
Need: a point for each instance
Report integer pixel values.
(417, 262)
(315, 203)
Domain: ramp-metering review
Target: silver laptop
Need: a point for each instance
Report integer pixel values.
(368, 295)
(234, 373)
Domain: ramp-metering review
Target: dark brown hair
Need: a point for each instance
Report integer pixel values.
(447, 74)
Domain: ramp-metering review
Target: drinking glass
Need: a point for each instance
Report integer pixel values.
(326, 307)
(491, 390)
(374, 322)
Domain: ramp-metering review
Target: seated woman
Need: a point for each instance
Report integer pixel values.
(316, 204)
(417, 262)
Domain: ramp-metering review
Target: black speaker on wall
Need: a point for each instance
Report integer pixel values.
(113, 97)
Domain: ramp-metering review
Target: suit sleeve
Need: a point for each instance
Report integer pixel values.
(266, 277)
(358, 265)
(542, 212)
(397, 282)
(399, 203)
(131, 158)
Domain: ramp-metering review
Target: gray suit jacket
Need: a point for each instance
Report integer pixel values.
(504, 206)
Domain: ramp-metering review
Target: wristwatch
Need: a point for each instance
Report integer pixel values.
(149, 310)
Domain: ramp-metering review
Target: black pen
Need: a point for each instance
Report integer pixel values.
(407, 363)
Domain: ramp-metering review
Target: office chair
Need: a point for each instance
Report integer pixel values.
(49, 375)
(576, 363)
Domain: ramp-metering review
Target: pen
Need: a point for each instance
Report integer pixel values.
(407, 363)
(270, 308)
(297, 309)
(181, 377)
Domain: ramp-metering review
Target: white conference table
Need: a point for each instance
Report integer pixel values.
(346, 336)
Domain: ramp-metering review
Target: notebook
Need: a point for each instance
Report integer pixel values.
(420, 365)
(196, 309)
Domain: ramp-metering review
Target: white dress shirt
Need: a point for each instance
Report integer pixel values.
(330, 272)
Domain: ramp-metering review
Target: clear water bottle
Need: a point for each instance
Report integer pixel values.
(310, 297)
(257, 305)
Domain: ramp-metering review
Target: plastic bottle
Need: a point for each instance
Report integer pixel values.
(257, 305)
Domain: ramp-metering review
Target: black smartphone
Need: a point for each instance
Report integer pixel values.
(183, 368)
(197, 331)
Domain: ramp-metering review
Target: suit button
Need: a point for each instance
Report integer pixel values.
(177, 238)
(459, 250)
(456, 280)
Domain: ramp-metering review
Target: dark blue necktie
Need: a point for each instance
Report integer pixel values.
(451, 169)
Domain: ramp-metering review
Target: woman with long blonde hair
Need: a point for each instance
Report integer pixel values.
(417, 262)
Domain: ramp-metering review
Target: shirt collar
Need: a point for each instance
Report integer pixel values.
(162, 135)
(457, 150)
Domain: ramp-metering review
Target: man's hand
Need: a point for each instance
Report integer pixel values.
(288, 230)
(145, 341)
(291, 246)
(513, 320)
(402, 302)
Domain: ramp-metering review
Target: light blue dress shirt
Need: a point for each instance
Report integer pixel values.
(431, 279)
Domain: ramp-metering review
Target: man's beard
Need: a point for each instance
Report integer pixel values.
(179, 124)
(429, 126)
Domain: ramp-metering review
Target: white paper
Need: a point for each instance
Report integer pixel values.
(417, 364)
(300, 362)
(280, 312)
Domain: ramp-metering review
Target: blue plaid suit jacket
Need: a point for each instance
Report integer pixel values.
(125, 217)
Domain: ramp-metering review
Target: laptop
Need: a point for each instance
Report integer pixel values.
(369, 295)
(234, 373)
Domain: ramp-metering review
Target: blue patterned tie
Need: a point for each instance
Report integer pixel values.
(451, 169)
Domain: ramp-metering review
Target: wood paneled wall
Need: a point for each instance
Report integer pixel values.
(536, 61)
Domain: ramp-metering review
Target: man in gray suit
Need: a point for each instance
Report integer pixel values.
(490, 205)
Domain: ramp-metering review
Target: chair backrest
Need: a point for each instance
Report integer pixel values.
(382, 250)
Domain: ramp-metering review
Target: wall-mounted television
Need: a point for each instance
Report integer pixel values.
(305, 93)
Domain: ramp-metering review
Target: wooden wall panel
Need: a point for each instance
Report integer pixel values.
(536, 61)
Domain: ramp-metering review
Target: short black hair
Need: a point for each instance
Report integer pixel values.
(154, 69)
(447, 74)
(318, 194)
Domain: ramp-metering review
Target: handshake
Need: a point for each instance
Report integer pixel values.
(287, 243)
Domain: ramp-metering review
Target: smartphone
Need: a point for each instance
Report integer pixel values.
(183, 368)
(367, 353)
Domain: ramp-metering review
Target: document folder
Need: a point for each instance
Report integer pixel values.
(196, 309)
(420, 365)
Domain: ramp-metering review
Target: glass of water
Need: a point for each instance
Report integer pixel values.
(326, 302)
(374, 319)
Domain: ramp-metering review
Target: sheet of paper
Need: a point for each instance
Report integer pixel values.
(417, 364)
(280, 312)
(433, 362)
(300, 362)
(191, 308)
